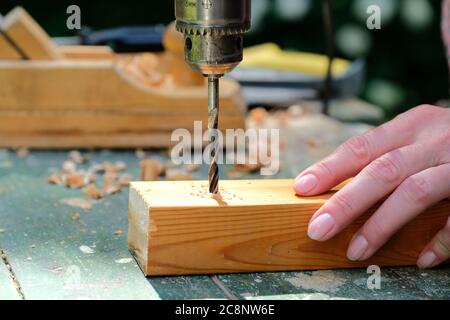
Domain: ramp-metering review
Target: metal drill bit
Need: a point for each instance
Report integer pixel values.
(213, 125)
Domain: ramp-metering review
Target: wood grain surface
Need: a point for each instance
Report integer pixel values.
(258, 225)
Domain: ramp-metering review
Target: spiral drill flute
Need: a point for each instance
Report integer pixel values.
(214, 36)
(213, 126)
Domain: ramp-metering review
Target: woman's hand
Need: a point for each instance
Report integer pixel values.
(406, 159)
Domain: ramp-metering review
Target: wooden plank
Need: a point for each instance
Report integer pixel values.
(29, 36)
(127, 121)
(87, 52)
(257, 225)
(7, 51)
(80, 85)
(108, 140)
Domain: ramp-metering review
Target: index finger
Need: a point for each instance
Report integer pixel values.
(352, 156)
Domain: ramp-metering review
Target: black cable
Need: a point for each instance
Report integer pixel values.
(329, 29)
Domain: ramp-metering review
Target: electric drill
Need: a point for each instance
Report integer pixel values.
(213, 35)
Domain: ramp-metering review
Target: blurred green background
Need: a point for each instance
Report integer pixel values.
(406, 58)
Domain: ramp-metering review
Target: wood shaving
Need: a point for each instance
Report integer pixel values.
(118, 232)
(22, 152)
(296, 111)
(109, 179)
(124, 180)
(109, 167)
(82, 203)
(112, 189)
(75, 216)
(151, 170)
(143, 68)
(76, 157)
(248, 168)
(69, 167)
(192, 167)
(258, 115)
(140, 154)
(234, 174)
(124, 261)
(87, 250)
(76, 180)
(178, 175)
(54, 179)
(93, 192)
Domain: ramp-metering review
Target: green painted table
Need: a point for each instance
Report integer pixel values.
(48, 255)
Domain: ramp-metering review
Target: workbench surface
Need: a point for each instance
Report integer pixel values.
(53, 256)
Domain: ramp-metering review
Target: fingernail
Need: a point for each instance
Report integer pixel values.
(305, 184)
(320, 226)
(357, 248)
(427, 260)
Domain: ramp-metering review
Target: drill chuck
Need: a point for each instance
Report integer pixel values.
(213, 32)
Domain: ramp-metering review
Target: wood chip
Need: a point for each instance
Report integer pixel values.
(109, 167)
(93, 192)
(178, 175)
(76, 157)
(75, 180)
(87, 250)
(118, 232)
(124, 180)
(69, 167)
(124, 261)
(54, 179)
(248, 168)
(259, 115)
(151, 170)
(192, 167)
(140, 154)
(22, 152)
(234, 174)
(75, 216)
(82, 203)
(112, 189)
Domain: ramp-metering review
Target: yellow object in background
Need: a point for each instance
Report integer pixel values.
(270, 56)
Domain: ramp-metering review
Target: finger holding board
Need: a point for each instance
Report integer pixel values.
(178, 228)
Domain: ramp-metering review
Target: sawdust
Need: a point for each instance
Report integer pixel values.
(320, 281)
(93, 192)
(87, 250)
(22, 152)
(54, 179)
(75, 216)
(82, 203)
(124, 261)
(151, 169)
(178, 175)
(68, 167)
(77, 157)
(140, 154)
(118, 232)
(72, 177)
(124, 180)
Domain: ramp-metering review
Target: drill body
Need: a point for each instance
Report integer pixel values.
(214, 43)
(213, 31)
